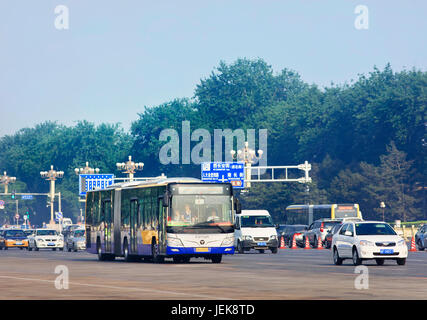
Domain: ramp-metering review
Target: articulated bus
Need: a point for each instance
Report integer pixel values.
(306, 214)
(175, 218)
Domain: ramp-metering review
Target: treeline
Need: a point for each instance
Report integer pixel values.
(366, 139)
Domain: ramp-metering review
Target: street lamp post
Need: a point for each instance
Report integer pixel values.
(130, 167)
(247, 155)
(52, 175)
(382, 206)
(86, 170)
(4, 179)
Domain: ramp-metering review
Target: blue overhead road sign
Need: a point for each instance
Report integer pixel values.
(88, 182)
(233, 172)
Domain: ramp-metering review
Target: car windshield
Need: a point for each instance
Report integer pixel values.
(329, 224)
(256, 221)
(79, 233)
(46, 233)
(366, 229)
(14, 233)
(335, 228)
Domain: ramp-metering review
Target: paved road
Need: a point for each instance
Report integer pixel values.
(290, 274)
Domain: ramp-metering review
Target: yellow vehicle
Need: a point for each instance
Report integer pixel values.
(13, 238)
(307, 214)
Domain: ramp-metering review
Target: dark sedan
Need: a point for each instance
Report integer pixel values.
(288, 231)
(331, 232)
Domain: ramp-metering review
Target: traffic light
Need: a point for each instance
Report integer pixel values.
(13, 194)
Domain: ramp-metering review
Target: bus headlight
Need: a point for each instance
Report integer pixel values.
(227, 242)
(175, 242)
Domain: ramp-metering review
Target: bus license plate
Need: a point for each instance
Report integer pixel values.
(202, 249)
(262, 244)
(386, 251)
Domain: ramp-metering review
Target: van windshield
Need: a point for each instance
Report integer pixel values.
(256, 221)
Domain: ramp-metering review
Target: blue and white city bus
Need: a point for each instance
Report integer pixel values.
(177, 218)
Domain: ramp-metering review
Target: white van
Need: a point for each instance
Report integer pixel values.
(254, 229)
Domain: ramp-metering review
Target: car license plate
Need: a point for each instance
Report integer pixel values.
(263, 244)
(18, 243)
(386, 251)
(50, 244)
(202, 249)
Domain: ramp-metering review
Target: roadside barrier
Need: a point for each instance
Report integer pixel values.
(319, 244)
(294, 242)
(282, 243)
(413, 247)
(307, 244)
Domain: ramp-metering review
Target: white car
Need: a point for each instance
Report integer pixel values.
(45, 239)
(366, 240)
(76, 240)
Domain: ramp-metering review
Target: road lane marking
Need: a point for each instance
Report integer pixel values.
(121, 288)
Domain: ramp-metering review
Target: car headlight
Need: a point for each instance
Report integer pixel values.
(273, 237)
(39, 240)
(228, 241)
(401, 242)
(366, 243)
(247, 237)
(174, 242)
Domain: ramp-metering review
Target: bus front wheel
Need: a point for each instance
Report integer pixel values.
(217, 258)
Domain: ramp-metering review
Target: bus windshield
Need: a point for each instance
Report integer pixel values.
(256, 222)
(200, 212)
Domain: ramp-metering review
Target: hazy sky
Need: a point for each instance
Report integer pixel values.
(119, 56)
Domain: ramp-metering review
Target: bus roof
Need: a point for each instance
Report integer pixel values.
(305, 206)
(154, 182)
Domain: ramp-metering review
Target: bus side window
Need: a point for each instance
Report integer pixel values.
(141, 213)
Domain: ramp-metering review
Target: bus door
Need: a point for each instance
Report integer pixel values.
(108, 224)
(161, 226)
(134, 206)
(117, 222)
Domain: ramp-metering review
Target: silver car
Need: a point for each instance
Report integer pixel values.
(421, 238)
(76, 240)
(318, 231)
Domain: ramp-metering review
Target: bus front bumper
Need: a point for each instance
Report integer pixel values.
(195, 251)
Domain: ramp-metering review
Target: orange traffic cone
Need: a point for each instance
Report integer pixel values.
(319, 244)
(294, 242)
(282, 243)
(413, 247)
(307, 244)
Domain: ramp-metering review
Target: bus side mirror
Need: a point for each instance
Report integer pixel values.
(237, 206)
(165, 199)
